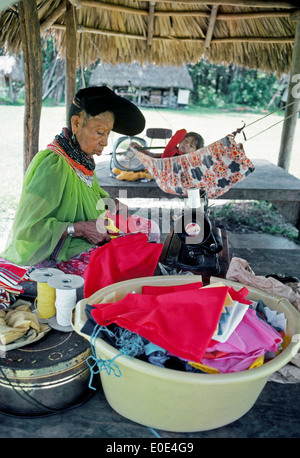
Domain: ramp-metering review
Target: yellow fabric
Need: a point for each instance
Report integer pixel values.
(19, 322)
(130, 175)
(258, 362)
(204, 368)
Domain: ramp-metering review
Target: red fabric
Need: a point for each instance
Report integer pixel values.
(123, 258)
(10, 276)
(181, 322)
(169, 289)
(171, 148)
(239, 296)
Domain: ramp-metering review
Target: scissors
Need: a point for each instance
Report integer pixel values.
(111, 227)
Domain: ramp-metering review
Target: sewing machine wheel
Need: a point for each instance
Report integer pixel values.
(124, 158)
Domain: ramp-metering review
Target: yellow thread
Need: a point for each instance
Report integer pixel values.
(45, 300)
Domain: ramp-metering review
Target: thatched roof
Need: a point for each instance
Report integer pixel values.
(252, 33)
(141, 76)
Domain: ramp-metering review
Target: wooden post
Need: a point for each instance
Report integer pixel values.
(71, 55)
(150, 22)
(211, 25)
(292, 109)
(32, 52)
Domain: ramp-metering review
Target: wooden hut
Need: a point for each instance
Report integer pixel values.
(147, 85)
(11, 70)
(252, 33)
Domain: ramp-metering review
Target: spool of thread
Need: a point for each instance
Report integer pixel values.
(45, 294)
(65, 287)
(194, 200)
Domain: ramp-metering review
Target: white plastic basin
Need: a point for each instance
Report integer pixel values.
(178, 401)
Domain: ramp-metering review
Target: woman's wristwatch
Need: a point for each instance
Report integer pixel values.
(71, 230)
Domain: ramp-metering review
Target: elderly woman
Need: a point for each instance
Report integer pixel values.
(61, 214)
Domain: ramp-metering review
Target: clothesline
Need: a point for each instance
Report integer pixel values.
(241, 130)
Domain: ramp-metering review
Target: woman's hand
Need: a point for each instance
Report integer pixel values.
(94, 231)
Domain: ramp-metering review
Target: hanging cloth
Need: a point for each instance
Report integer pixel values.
(216, 168)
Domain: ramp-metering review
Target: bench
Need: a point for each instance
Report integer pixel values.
(268, 182)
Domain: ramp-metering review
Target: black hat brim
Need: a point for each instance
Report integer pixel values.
(129, 120)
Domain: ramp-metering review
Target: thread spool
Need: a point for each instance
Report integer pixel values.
(45, 294)
(65, 287)
(194, 200)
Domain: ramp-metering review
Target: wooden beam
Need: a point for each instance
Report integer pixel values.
(211, 25)
(252, 15)
(295, 15)
(181, 39)
(263, 40)
(32, 52)
(242, 3)
(46, 24)
(150, 23)
(70, 55)
(292, 108)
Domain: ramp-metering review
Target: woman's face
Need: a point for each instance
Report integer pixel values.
(188, 145)
(92, 132)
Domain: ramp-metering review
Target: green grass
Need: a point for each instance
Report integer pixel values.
(252, 216)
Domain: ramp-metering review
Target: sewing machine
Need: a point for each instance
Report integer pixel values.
(194, 244)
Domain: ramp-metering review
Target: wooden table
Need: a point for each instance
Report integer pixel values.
(268, 182)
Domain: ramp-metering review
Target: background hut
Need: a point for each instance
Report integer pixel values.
(146, 85)
(11, 71)
(251, 33)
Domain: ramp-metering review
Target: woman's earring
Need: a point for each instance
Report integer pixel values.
(74, 137)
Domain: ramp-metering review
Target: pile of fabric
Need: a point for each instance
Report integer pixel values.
(210, 329)
(11, 278)
(19, 326)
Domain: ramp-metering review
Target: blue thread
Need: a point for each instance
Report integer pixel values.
(131, 345)
(154, 432)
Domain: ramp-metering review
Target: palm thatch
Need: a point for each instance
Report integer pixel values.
(255, 34)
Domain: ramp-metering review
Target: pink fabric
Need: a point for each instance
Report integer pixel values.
(252, 338)
(233, 362)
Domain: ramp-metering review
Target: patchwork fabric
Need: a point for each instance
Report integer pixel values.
(216, 168)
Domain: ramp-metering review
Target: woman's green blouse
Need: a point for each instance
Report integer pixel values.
(53, 196)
